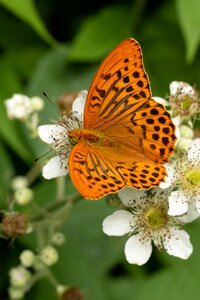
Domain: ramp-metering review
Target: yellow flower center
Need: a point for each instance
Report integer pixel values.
(193, 177)
(186, 102)
(155, 217)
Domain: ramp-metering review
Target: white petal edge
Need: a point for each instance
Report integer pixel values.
(128, 194)
(178, 203)
(191, 215)
(194, 151)
(79, 104)
(117, 224)
(161, 101)
(138, 250)
(170, 177)
(48, 133)
(178, 244)
(197, 202)
(57, 166)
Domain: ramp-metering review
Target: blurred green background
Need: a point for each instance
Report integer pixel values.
(55, 46)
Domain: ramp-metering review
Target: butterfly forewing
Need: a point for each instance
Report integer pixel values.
(120, 87)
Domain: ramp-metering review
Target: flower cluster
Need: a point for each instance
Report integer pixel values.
(25, 109)
(34, 266)
(158, 216)
(155, 217)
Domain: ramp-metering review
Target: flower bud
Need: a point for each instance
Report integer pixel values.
(37, 103)
(183, 144)
(49, 255)
(15, 293)
(58, 239)
(186, 132)
(19, 276)
(19, 182)
(23, 196)
(27, 258)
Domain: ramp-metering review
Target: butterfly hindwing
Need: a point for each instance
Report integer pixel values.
(96, 175)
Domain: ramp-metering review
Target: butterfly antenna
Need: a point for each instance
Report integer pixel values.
(47, 97)
(42, 155)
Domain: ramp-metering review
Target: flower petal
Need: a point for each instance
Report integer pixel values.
(178, 244)
(161, 101)
(191, 215)
(128, 194)
(50, 133)
(119, 223)
(169, 179)
(138, 250)
(56, 166)
(178, 203)
(197, 202)
(194, 151)
(79, 104)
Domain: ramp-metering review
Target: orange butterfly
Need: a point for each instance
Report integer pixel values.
(127, 136)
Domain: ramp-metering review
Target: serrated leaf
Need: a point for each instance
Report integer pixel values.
(189, 19)
(100, 33)
(27, 12)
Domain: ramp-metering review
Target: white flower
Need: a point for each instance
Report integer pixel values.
(177, 87)
(18, 107)
(184, 99)
(146, 221)
(186, 177)
(57, 136)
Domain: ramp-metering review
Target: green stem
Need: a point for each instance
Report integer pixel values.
(33, 173)
(54, 207)
(60, 181)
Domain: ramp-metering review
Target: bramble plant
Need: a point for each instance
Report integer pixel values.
(55, 243)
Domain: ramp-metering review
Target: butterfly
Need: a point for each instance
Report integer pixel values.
(127, 136)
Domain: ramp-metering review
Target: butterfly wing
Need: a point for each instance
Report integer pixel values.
(95, 175)
(139, 133)
(119, 87)
(119, 103)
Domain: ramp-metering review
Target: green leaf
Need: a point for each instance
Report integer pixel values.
(189, 19)
(27, 12)
(100, 33)
(7, 172)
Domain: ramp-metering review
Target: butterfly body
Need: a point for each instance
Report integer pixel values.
(127, 136)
